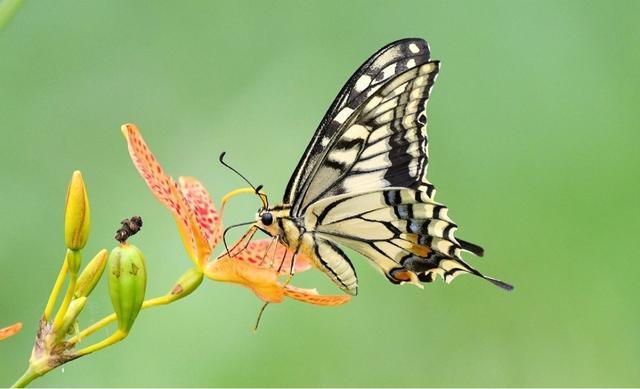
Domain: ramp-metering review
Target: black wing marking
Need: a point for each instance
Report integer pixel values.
(384, 64)
(402, 231)
(383, 143)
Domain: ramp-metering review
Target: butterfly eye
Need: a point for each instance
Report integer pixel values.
(266, 218)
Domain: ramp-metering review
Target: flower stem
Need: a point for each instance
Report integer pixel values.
(105, 321)
(26, 378)
(36, 369)
(8, 9)
(114, 338)
(56, 290)
(67, 299)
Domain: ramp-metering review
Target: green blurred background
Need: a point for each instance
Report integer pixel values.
(534, 147)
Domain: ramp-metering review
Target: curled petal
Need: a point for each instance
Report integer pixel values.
(263, 282)
(10, 330)
(205, 212)
(311, 296)
(265, 253)
(166, 190)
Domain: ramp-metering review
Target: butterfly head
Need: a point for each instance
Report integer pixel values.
(268, 221)
(277, 221)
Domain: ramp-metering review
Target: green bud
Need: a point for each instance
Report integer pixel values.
(91, 274)
(77, 215)
(75, 307)
(127, 283)
(186, 284)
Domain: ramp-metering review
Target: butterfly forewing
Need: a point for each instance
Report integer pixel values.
(348, 127)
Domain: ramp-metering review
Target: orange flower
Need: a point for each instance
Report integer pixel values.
(10, 330)
(257, 267)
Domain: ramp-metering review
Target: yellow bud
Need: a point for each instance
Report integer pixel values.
(77, 216)
(186, 284)
(127, 283)
(75, 307)
(91, 274)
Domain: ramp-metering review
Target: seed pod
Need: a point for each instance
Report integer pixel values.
(127, 283)
(91, 274)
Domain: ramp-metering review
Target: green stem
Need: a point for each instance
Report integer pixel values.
(8, 9)
(28, 376)
(56, 290)
(73, 277)
(113, 339)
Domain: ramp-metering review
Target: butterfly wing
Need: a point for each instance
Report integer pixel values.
(408, 236)
(373, 135)
(362, 180)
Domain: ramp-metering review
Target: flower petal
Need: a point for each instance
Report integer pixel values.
(168, 193)
(265, 254)
(311, 296)
(10, 330)
(202, 206)
(263, 282)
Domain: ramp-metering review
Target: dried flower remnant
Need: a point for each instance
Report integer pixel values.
(129, 228)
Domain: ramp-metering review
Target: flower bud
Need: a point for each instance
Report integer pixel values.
(77, 216)
(186, 284)
(91, 274)
(127, 283)
(75, 307)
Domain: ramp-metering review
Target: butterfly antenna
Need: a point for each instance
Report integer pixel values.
(224, 235)
(263, 197)
(234, 170)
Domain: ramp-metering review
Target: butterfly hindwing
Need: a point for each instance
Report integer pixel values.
(399, 229)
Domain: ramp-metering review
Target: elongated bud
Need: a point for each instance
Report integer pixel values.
(75, 307)
(127, 283)
(77, 216)
(91, 274)
(186, 284)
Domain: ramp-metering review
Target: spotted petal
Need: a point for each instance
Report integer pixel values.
(267, 254)
(10, 330)
(263, 280)
(166, 190)
(202, 206)
(312, 296)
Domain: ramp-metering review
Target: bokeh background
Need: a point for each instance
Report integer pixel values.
(534, 147)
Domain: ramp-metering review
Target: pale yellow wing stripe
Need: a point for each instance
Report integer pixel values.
(382, 144)
(400, 230)
(333, 262)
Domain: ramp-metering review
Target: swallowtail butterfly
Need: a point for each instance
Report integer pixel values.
(361, 182)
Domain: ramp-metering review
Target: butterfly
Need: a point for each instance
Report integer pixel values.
(361, 183)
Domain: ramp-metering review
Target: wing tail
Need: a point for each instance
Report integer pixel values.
(401, 230)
